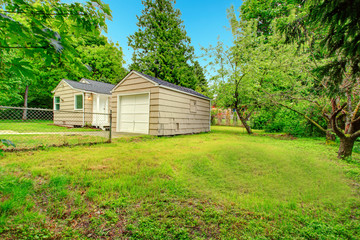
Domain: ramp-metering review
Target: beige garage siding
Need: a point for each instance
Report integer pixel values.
(136, 84)
(175, 116)
(170, 111)
(67, 101)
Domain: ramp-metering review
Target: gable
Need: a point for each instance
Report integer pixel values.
(133, 79)
(62, 86)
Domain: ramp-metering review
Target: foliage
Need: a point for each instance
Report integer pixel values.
(80, 45)
(337, 23)
(265, 11)
(254, 68)
(161, 46)
(214, 112)
(44, 29)
(221, 185)
(105, 61)
(286, 121)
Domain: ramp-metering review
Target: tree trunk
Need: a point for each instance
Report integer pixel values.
(244, 123)
(346, 147)
(329, 135)
(26, 94)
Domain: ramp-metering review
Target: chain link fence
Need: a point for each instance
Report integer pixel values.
(31, 128)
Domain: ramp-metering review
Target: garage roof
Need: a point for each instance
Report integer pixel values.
(171, 85)
(91, 86)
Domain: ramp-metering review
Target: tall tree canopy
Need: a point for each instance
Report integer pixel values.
(265, 11)
(161, 46)
(104, 59)
(338, 24)
(43, 42)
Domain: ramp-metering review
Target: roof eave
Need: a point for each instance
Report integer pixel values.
(177, 90)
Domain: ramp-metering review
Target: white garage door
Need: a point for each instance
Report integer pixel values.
(134, 113)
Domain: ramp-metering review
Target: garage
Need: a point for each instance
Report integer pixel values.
(133, 113)
(143, 104)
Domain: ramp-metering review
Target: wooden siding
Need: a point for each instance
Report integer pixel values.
(68, 116)
(175, 116)
(132, 85)
(169, 110)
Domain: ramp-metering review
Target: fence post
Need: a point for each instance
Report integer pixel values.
(110, 126)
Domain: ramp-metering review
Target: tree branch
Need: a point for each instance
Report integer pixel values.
(304, 115)
(334, 121)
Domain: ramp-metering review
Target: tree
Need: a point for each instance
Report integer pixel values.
(40, 33)
(338, 24)
(265, 11)
(254, 67)
(202, 84)
(83, 46)
(104, 60)
(161, 46)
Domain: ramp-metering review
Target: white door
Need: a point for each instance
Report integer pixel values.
(133, 116)
(100, 106)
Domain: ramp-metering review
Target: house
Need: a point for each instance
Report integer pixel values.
(139, 104)
(79, 103)
(147, 105)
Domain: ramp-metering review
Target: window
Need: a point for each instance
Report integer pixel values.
(56, 103)
(192, 106)
(79, 102)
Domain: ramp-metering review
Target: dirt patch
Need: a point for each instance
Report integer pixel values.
(278, 136)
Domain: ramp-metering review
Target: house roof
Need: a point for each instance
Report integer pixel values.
(91, 86)
(171, 85)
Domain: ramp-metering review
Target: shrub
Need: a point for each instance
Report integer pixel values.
(273, 119)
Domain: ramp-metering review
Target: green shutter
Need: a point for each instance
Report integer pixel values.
(79, 101)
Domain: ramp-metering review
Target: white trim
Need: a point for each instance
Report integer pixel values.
(176, 90)
(118, 117)
(83, 102)
(117, 85)
(54, 103)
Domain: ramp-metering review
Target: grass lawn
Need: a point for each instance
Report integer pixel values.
(38, 126)
(219, 185)
(32, 141)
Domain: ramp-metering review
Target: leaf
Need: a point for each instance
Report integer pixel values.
(7, 143)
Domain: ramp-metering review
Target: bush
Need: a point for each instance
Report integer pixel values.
(284, 120)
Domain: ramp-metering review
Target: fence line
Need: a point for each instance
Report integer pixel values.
(31, 128)
(50, 110)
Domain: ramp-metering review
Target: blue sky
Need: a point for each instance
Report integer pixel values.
(204, 21)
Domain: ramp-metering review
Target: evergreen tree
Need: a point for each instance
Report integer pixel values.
(161, 47)
(202, 85)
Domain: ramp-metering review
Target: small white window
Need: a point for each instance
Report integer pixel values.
(56, 103)
(193, 106)
(79, 102)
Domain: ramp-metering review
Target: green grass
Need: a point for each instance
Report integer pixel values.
(38, 126)
(220, 185)
(43, 140)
